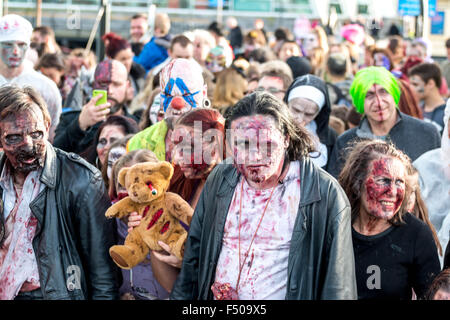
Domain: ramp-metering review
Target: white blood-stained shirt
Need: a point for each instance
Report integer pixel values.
(264, 273)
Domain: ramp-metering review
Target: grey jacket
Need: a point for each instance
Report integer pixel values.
(321, 261)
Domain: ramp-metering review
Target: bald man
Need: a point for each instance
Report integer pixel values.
(77, 128)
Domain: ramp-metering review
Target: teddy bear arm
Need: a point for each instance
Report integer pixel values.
(178, 207)
(121, 208)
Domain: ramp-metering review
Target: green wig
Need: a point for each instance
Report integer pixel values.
(366, 78)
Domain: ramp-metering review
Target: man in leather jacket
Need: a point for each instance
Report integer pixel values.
(55, 238)
(268, 225)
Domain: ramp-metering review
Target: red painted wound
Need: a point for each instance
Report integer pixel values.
(165, 227)
(155, 218)
(145, 211)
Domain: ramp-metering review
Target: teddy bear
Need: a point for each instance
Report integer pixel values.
(161, 213)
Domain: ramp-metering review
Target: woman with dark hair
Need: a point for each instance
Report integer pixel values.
(112, 129)
(120, 49)
(251, 236)
(394, 251)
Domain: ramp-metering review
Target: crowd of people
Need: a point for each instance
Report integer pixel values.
(317, 163)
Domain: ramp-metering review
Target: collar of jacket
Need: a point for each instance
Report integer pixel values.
(309, 180)
(48, 175)
(364, 131)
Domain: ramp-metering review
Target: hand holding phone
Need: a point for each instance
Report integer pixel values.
(103, 99)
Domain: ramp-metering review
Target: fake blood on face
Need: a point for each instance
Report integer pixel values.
(385, 188)
(24, 139)
(260, 147)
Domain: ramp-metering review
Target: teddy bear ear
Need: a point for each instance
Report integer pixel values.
(122, 174)
(166, 170)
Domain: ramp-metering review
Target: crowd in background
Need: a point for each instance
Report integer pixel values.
(338, 86)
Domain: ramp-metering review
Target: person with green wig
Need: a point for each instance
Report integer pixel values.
(375, 94)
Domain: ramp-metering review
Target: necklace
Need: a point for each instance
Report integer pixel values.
(241, 266)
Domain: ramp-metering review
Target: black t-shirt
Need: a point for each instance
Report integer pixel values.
(390, 264)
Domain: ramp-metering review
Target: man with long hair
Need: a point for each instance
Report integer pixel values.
(269, 223)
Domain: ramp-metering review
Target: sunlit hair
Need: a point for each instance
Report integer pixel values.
(14, 99)
(263, 103)
(420, 210)
(357, 169)
(230, 88)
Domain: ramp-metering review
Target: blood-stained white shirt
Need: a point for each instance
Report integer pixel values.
(18, 265)
(264, 273)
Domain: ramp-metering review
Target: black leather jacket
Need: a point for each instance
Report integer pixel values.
(73, 236)
(321, 261)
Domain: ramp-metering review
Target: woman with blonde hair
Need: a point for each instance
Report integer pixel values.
(231, 86)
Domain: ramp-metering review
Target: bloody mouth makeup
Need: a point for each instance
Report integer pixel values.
(258, 147)
(23, 137)
(384, 189)
(195, 152)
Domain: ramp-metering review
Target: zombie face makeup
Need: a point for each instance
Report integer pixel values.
(113, 155)
(112, 76)
(182, 87)
(13, 53)
(303, 110)
(379, 105)
(258, 147)
(108, 135)
(23, 138)
(196, 152)
(384, 188)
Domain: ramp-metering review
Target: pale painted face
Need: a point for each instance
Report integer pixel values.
(259, 147)
(108, 135)
(384, 188)
(13, 53)
(114, 155)
(303, 110)
(182, 87)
